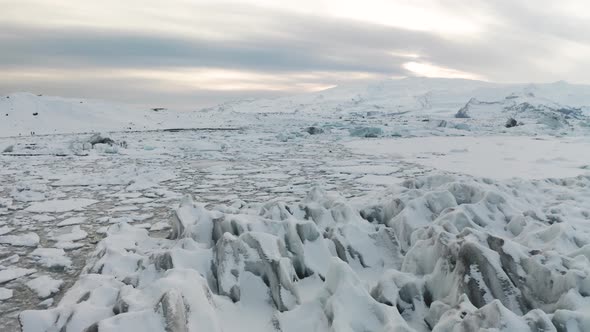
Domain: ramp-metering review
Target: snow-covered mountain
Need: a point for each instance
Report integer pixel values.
(556, 106)
(429, 95)
(23, 113)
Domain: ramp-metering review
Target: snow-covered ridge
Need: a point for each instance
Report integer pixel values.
(25, 114)
(413, 94)
(437, 253)
(435, 107)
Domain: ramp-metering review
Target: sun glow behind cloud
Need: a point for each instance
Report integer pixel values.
(431, 70)
(207, 79)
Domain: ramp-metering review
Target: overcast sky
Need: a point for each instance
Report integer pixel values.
(189, 54)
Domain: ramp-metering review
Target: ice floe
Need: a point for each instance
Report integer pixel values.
(51, 257)
(62, 205)
(30, 239)
(44, 286)
(14, 273)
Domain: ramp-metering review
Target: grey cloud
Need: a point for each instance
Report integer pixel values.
(82, 48)
(540, 18)
(294, 43)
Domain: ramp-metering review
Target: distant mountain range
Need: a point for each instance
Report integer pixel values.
(554, 105)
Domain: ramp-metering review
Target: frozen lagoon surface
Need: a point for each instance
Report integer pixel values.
(438, 224)
(498, 157)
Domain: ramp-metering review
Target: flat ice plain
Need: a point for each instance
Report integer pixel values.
(402, 205)
(497, 157)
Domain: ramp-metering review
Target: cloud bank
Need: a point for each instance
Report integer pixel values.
(195, 53)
